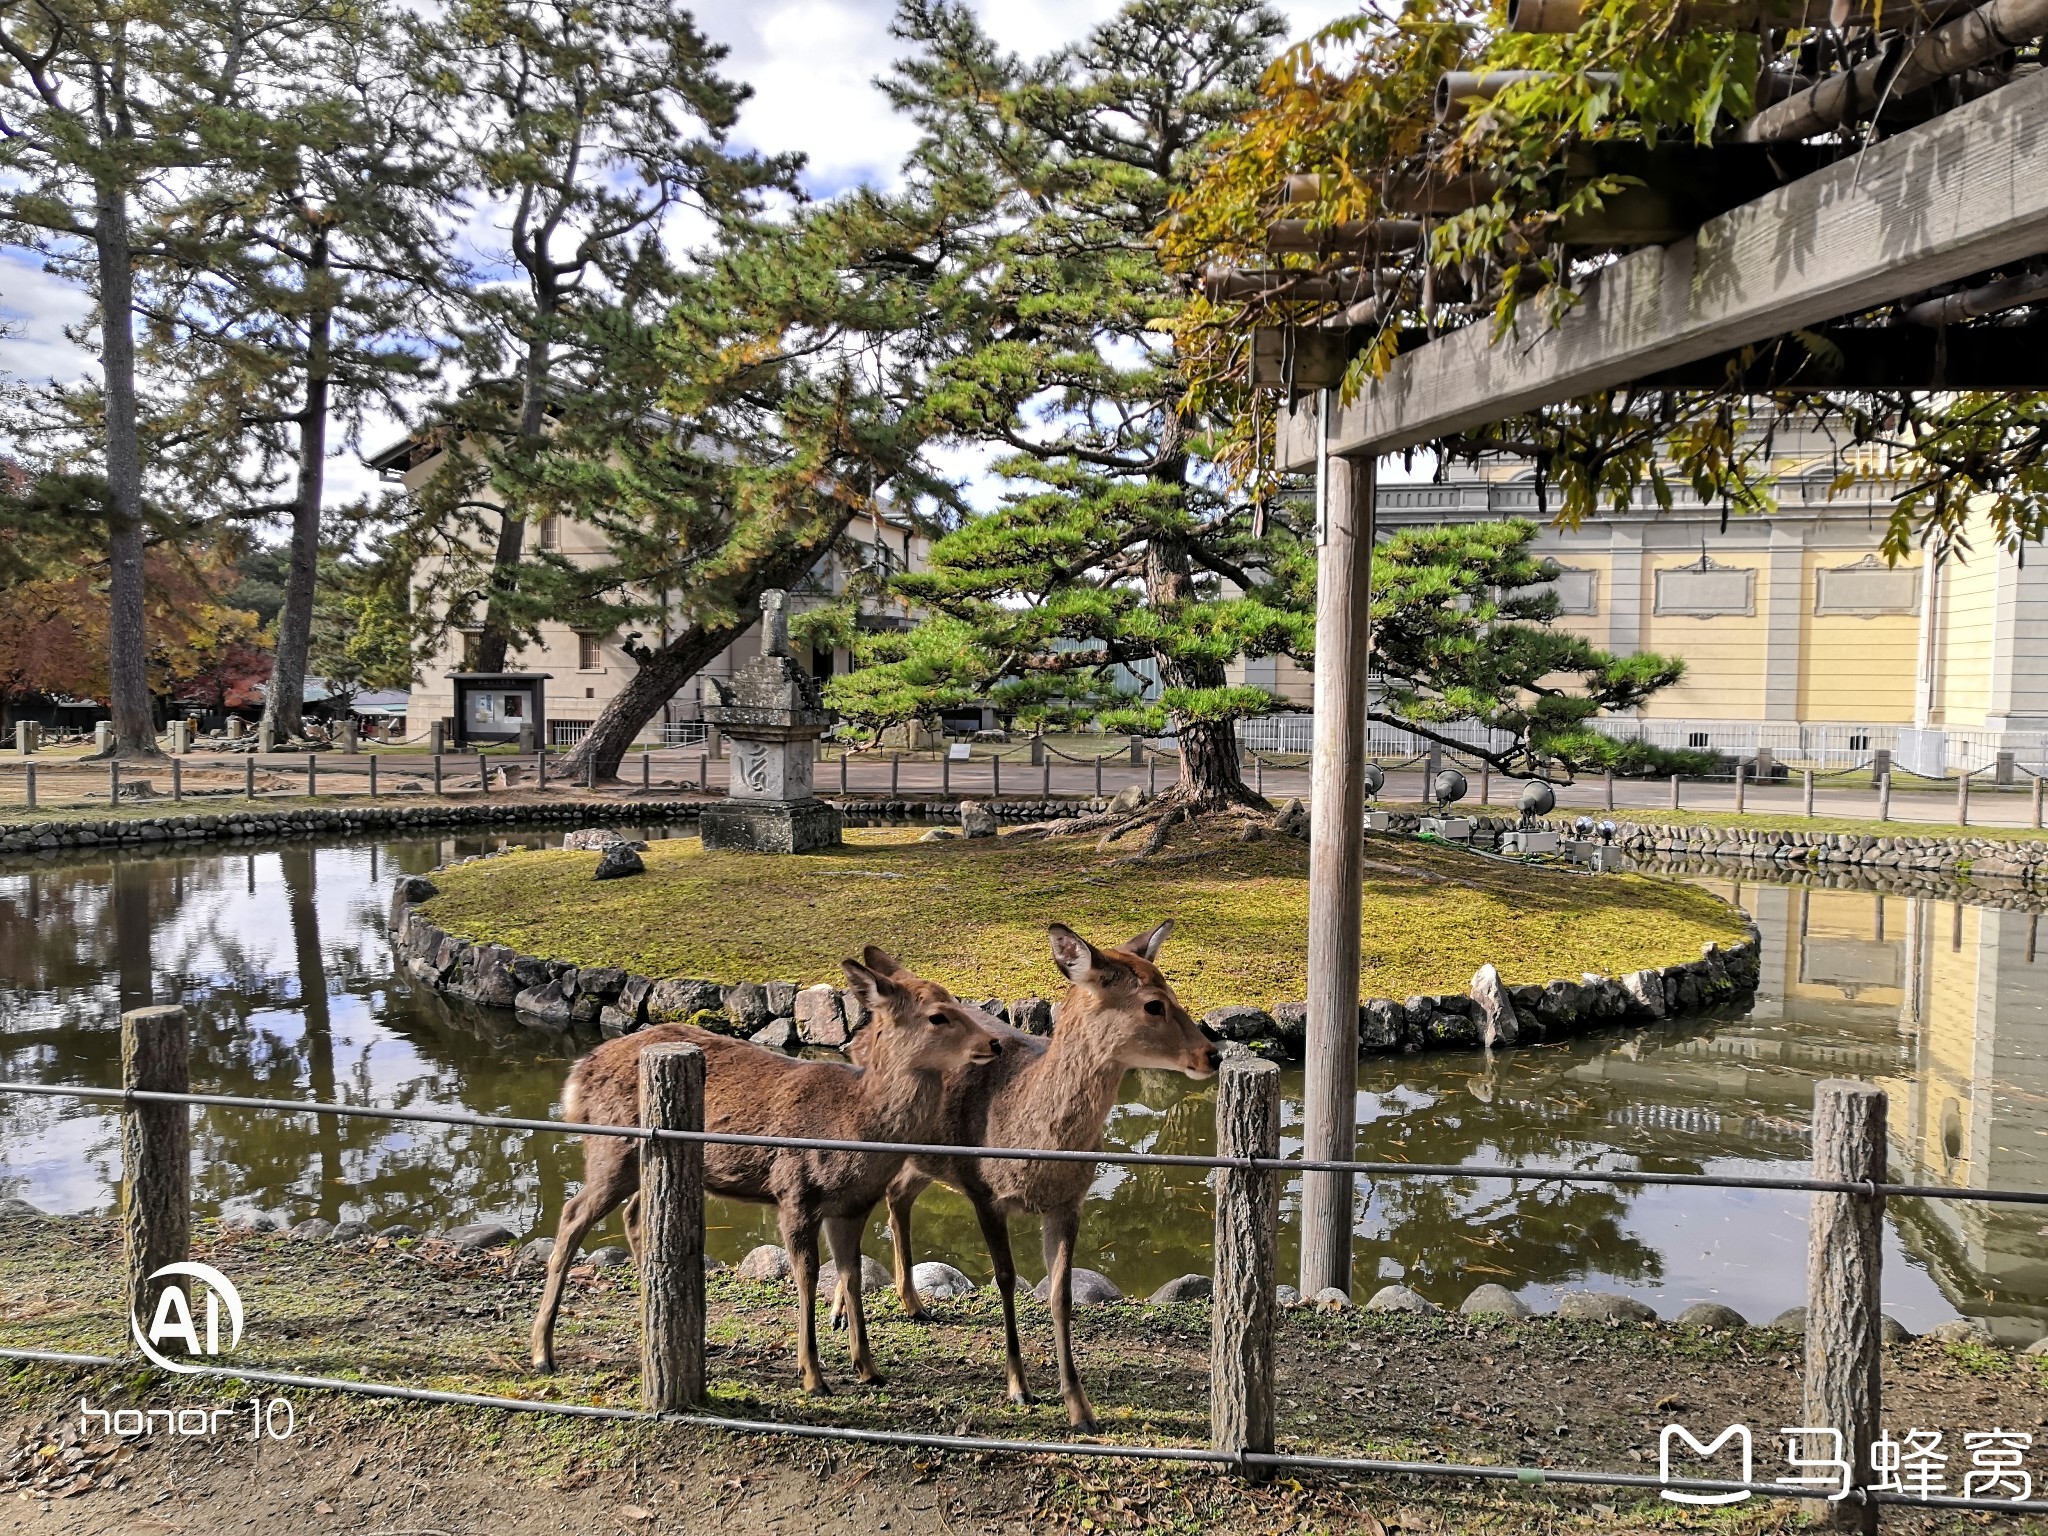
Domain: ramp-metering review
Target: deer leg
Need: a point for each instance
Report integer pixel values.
(611, 1169)
(631, 1217)
(1061, 1229)
(800, 1239)
(903, 1195)
(995, 1231)
(842, 1234)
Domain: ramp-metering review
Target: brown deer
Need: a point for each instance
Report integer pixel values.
(917, 1035)
(1118, 1013)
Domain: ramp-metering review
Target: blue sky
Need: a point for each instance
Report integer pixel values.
(812, 64)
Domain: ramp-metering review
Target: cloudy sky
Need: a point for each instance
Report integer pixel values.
(812, 64)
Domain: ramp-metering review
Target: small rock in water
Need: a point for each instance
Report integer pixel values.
(611, 1256)
(1962, 1330)
(873, 1277)
(1603, 1307)
(1185, 1288)
(312, 1230)
(617, 861)
(1331, 1299)
(976, 819)
(1791, 1320)
(1494, 1301)
(477, 1236)
(1399, 1298)
(1711, 1314)
(939, 1282)
(1088, 1287)
(765, 1263)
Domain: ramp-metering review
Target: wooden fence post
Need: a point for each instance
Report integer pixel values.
(32, 793)
(1247, 1262)
(1607, 783)
(177, 780)
(1098, 775)
(437, 773)
(312, 775)
(1963, 799)
(1045, 788)
(1884, 797)
(672, 1230)
(647, 769)
(156, 1154)
(483, 775)
(373, 775)
(895, 768)
(1844, 1255)
(1808, 773)
(1741, 783)
(1674, 791)
(2037, 801)
(540, 766)
(1152, 777)
(995, 774)
(249, 777)
(114, 782)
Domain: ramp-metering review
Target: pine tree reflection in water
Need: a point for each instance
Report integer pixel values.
(280, 955)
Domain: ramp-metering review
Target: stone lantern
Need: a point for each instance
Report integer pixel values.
(772, 716)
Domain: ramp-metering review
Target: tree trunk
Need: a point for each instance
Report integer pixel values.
(127, 645)
(687, 653)
(496, 638)
(284, 699)
(1211, 775)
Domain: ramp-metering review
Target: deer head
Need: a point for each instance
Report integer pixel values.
(1125, 1005)
(916, 1025)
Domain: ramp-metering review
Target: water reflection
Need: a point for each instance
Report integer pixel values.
(279, 953)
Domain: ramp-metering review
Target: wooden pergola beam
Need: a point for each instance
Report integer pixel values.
(1959, 195)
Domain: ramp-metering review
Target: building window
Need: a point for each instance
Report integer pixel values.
(1859, 743)
(589, 652)
(551, 531)
(1699, 741)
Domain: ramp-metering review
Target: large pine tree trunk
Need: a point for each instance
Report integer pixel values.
(1211, 776)
(284, 699)
(686, 654)
(127, 645)
(496, 639)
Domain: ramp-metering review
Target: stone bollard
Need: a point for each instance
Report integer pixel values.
(348, 736)
(102, 735)
(237, 728)
(24, 737)
(437, 738)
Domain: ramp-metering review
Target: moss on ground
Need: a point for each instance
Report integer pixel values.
(973, 915)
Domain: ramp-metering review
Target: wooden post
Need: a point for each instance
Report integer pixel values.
(437, 773)
(2037, 802)
(540, 766)
(177, 780)
(437, 741)
(946, 773)
(1241, 1317)
(1963, 799)
(114, 782)
(1807, 774)
(1844, 1258)
(156, 1154)
(590, 773)
(842, 773)
(1098, 775)
(483, 775)
(703, 773)
(249, 777)
(32, 793)
(1674, 791)
(895, 768)
(672, 1230)
(1336, 864)
(1884, 798)
(373, 775)
(1045, 788)
(1741, 784)
(995, 774)
(1137, 750)
(1485, 783)
(1152, 777)
(312, 775)
(1259, 776)
(1607, 780)
(647, 769)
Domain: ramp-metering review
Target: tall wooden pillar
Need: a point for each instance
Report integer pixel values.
(1344, 533)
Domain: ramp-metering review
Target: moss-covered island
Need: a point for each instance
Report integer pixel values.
(972, 914)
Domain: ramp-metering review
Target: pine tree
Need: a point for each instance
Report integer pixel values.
(1115, 545)
(591, 125)
(107, 108)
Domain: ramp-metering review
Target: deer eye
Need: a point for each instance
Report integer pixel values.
(940, 1018)
(1153, 1005)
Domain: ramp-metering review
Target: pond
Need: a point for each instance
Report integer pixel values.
(279, 953)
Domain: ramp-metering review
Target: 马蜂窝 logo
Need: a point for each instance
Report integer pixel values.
(175, 1323)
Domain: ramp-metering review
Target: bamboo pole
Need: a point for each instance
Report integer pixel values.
(1336, 862)
(156, 1155)
(672, 1230)
(1247, 1258)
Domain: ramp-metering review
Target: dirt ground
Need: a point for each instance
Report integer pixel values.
(1540, 1393)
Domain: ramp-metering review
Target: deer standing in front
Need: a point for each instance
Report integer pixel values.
(1118, 1013)
(917, 1035)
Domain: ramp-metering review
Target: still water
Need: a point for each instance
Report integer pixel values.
(280, 955)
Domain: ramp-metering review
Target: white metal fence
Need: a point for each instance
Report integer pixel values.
(683, 733)
(566, 733)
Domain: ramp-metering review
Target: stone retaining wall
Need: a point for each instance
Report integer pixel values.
(555, 994)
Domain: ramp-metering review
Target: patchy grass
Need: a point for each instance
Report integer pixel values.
(972, 915)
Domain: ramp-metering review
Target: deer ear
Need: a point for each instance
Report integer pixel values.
(1146, 945)
(880, 961)
(1074, 955)
(874, 989)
